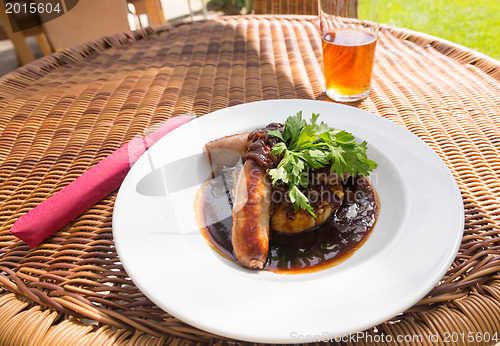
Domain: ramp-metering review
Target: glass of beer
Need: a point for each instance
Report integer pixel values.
(349, 35)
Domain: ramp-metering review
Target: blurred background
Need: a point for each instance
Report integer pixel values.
(474, 24)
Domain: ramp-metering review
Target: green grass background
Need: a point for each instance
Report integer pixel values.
(474, 24)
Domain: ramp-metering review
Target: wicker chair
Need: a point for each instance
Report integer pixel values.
(307, 7)
(286, 7)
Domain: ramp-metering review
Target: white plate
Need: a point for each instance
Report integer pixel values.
(412, 245)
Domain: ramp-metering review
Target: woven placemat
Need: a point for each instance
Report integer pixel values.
(62, 114)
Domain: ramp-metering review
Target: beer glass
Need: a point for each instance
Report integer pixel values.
(349, 31)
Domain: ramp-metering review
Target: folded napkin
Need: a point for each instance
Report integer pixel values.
(88, 189)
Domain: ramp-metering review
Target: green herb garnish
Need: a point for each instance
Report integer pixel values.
(311, 145)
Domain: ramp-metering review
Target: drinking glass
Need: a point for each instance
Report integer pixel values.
(349, 31)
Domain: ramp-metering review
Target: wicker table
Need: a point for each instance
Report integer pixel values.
(64, 113)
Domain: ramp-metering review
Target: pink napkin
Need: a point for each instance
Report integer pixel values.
(88, 189)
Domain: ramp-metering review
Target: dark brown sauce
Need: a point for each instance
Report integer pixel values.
(315, 249)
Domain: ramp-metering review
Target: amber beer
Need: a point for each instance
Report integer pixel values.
(348, 55)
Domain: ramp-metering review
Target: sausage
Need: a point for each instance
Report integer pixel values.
(227, 151)
(251, 214)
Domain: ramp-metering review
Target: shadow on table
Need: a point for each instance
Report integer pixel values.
(173, 177)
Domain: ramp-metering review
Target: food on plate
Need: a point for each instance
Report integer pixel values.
(287, 220)
(290, 197)
(250, 215)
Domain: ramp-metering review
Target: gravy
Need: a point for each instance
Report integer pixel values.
(312, 250)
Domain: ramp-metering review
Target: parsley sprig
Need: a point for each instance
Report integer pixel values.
(313, 145)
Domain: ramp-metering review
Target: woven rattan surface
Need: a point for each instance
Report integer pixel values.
(64, 113)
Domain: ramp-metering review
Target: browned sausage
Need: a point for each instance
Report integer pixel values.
(251, 213)
(227, 151)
